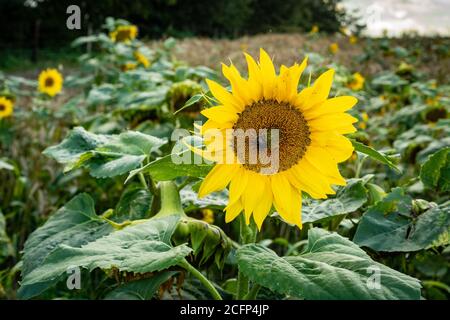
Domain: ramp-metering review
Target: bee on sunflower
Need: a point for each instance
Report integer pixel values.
(311, 139)
(6, 107)
(50, 82)
(124, 33)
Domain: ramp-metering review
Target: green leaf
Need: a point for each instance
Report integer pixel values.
(332, 267)
(392, 225)
(435, 172)
(5, 165)
(138, 248)
(190, 200)
(104, 155)
(135, 202)
(192, 100)
(374, 154)
(75, 224)
(166, 169)
(348, 199)
(143, 289)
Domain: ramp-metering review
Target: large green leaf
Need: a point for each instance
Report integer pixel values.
(435, 172)
(332, 267)
(190, 200)
(143, 289)
(75, 224)
(392, 225)
(138, 248)
(348, 199)
(104, 155)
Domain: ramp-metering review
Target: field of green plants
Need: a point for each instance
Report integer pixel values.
(93, 205)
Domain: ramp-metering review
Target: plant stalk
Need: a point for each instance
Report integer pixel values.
(247, 234)
(208, 285)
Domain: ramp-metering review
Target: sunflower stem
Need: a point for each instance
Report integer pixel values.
(247, 234)
(170, 200)
(208, 285)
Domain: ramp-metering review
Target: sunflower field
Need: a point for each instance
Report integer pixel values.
(121, 178)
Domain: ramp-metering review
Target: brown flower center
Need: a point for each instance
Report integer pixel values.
(2, 107)
(123, 35)
(286, 145)
(49, 81)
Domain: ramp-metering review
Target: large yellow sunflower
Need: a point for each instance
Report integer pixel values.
(311, 141)
(6, 107)
(50, 82)
(124, 33)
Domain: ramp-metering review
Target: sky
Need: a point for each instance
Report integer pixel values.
(428, 17)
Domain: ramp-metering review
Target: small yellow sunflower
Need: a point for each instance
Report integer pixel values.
(353, 39)
(357, 82)
(334, 48)
(314, 29)
(6, 107)
(311, 141)
(124, 33)
(142, 59)
(129, 66)
(50, 82)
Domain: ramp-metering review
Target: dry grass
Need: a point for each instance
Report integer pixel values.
(290, 48)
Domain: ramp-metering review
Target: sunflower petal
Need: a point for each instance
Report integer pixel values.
(264, 205)
(225, 97)
(267, 73)
(232, 211)
(220, 114)
(217, 179)
(321, 89)
(331, 106)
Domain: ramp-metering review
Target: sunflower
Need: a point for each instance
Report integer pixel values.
(50, 82)
(6, 107)
(357, 82)
(124, 33)
(128, 66)
(142, 59)
(311, 141)
(334, 48)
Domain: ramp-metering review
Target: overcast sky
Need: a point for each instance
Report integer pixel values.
(424, 16)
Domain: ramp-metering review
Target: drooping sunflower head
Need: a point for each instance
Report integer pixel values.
(6, 107)
(300, 154)
(50, 82)
(124, 33)
(142, 59)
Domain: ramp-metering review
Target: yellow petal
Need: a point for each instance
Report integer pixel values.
(254, 78)
(338, 146)
(314, 176)
(281, 189)
(321, 89)
(264, 205)
(238, 185)
(333, 105)
(239, 86)
(252, 194)
(220, 114)
(225, 97)
(305, 182)
(232, 211)
(324, 162)
(267, 73)
(217, 179)
(330, 122)
(213, 125)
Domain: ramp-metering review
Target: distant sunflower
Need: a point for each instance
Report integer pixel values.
(124, 33)
(142, 59)
(334, 48)
(129, 66)
(50, 82)
(6, 107)
(311, 141)
(357, 82)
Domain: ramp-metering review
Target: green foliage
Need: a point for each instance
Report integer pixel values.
(331, 267)
(397, 223)
(435, 172)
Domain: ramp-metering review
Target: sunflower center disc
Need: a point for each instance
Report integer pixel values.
(49, 82)
(123, 35)
(2, 107)
(288, 142)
